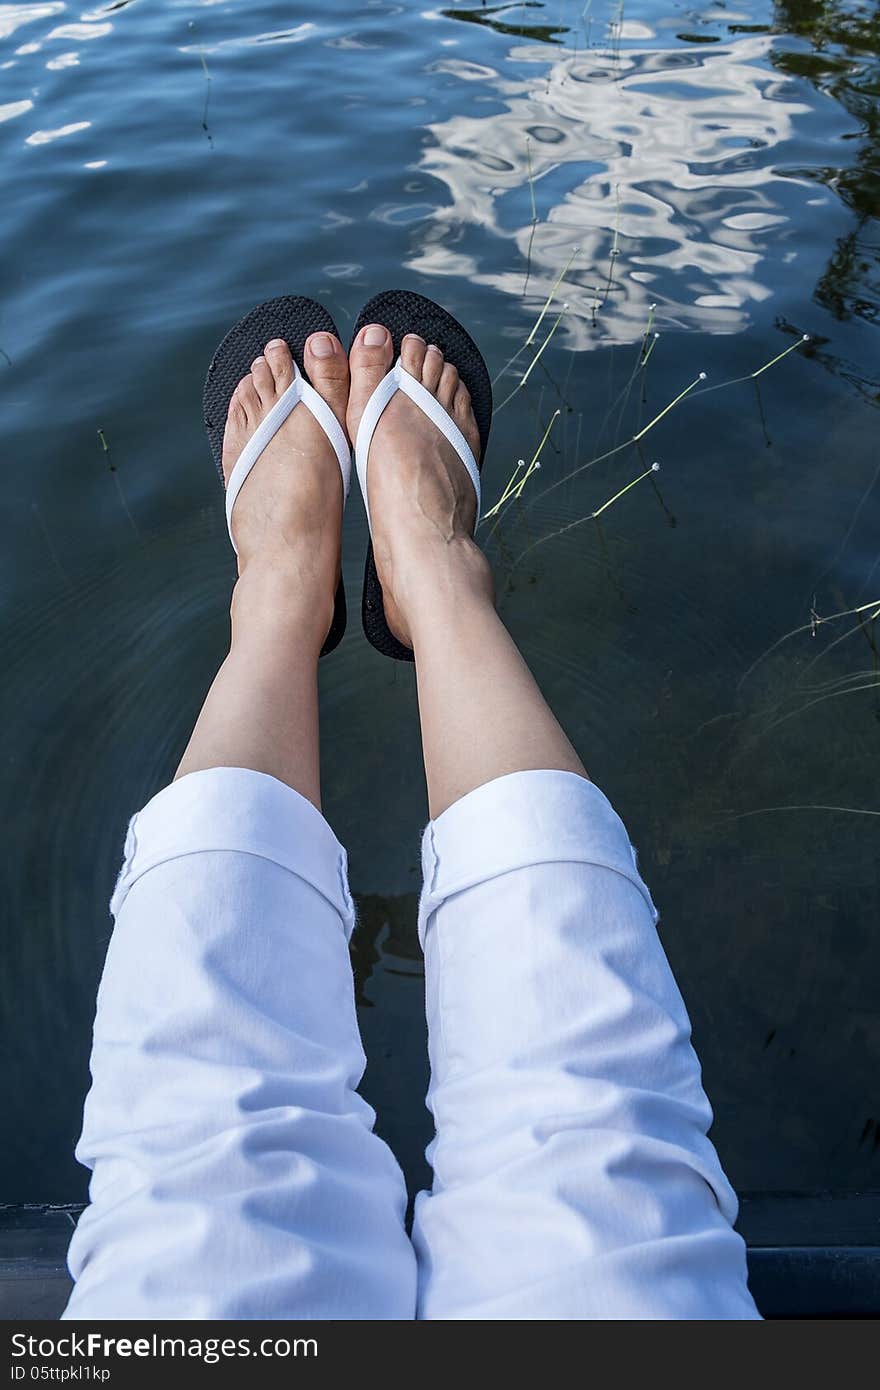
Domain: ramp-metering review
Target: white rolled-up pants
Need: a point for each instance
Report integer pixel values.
(235, 1172)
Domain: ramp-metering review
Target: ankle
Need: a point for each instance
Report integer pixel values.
(450, 578)
(273, 597)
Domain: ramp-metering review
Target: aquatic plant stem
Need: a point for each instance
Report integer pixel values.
(812, 626)
(534, 362)
(537, 324)
(515, 484)
(671, 406)
(549, 300)
(534, 215)
(605, 505)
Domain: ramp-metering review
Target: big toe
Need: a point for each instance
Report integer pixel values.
(370, 360)
(327, 368)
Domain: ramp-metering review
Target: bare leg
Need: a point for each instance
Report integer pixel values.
(572, 1173)
(481, 711)
(235, 1171)
(262, 709)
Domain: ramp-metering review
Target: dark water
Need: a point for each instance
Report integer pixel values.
(167, 165)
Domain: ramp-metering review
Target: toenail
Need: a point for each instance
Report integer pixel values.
(375, 336)
(432, 347)
(276, 342)
(414, 338)
(261, 358)
(321, 345)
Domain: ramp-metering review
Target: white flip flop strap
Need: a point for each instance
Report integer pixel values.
(299, 391)
(399, 379)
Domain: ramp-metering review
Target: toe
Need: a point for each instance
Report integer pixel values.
(235, 432)
(461, 405)
(236, 418)
(412, 354)
(327, 367)
(432, 368)
(369, 360)
(448, 386)
(248, 398)
(279, 359)
(464, 417)
(263, 380)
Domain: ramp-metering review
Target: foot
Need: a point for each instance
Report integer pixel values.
(287, 519)
(422, 503)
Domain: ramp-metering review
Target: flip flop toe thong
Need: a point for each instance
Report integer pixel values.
(402, 312)
(293, 318)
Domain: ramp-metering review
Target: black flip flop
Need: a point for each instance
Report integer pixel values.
(293, 318)
(402, 312)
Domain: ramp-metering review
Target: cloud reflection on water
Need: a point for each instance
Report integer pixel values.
(668, 152)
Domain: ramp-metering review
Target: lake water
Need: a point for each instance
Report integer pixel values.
(168, 165)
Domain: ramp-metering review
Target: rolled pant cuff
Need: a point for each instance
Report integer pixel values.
(524, 818)
(235, 809)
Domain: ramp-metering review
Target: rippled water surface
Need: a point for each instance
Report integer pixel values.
(716, 168)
